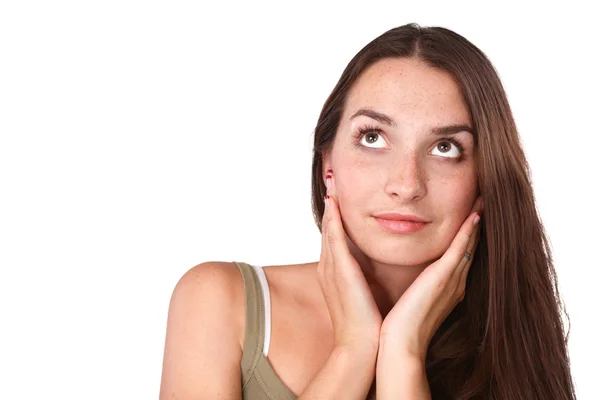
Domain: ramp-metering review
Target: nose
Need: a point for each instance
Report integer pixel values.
(405, 179)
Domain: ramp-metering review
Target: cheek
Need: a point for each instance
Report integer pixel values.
(455, 201)
(454, 191)
(452, 198)
(354, 177)
(454, 205)
(358, 188)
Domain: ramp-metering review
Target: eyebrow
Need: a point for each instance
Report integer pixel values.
(386, 119)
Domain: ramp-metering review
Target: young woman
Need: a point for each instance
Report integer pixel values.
(419, 292)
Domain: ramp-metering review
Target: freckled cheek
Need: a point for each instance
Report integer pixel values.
(356, 184)
(454, 199)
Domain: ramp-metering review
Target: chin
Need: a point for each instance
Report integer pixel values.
(406, 253)
(405, 258)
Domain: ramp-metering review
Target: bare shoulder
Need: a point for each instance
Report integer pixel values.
(211, 277)
(202, 350)
(216, 285)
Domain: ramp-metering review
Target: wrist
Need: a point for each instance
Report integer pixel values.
(394, 345)
(401, 376)
(361, 361)
(362, 352)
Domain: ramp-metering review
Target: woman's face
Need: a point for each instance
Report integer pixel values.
(401, 165)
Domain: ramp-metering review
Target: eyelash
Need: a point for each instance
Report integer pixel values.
(373, 130)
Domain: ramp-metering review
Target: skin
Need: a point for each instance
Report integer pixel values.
(402, 338)
(414, 279)
(407, 176)
(404, 169)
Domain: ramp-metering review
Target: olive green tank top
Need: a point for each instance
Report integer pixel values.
(259, 380)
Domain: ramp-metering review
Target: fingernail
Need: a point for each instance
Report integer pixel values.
(476, 220)
(326, 198)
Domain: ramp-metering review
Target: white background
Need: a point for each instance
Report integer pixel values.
(139, 139)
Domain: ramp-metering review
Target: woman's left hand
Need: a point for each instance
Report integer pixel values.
(412, 322)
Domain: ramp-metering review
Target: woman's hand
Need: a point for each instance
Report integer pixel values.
(354, 313)
(412, 322)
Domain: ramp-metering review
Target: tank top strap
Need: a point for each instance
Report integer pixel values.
(255, 316)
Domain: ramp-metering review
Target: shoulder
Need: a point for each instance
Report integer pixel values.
(210, 277)
(202, 349)
(215, 289)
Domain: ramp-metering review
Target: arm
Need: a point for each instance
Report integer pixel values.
(347, 374)
(202, 351)
(400, 375)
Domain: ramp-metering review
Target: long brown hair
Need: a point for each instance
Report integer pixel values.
(506, 339)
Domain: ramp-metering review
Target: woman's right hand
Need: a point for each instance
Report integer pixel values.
(355, 316)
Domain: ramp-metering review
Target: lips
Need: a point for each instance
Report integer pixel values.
(400, 226)
(394, 222)
(400, 217)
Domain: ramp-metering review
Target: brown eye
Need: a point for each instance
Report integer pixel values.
(368, 139)
(447, 148)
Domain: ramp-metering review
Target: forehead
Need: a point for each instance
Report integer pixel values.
(407, 88)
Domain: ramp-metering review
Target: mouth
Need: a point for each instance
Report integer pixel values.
(400, 226)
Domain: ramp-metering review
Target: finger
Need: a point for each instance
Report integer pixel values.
(467, 260)
(325, 267)
(324, 222)
(323, 237)
(461, 285)
(465, 238)
(456, 259)
(454, 256)
(465, 270)
(328, 284)
(336, 235)
(330, 260)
